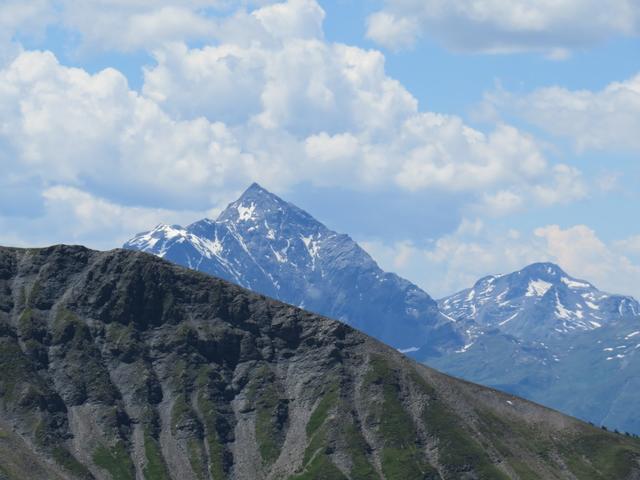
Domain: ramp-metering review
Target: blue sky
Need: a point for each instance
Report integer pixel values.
(452, 139)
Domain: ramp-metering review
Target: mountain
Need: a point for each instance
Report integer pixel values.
(270, 246)
(552, 338)
(119, 365)
(538, 333)
(537, 302)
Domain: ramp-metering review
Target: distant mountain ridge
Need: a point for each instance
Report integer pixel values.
(273, 247)
(539, 332)
(545, 335)
(536, 302)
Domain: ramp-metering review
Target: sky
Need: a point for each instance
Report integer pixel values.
(451, 138)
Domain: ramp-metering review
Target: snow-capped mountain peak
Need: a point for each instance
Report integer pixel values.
(539, 300)
(264, 243)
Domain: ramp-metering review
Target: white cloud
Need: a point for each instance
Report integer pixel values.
(608, 119)
(124, 25)
(98, 217)
(503, 26)
(456, 261)
(28, 16)
(279, 105)
(391, 31)
(70, 215)
(630, 246)
(137, 24)
(343, 118)
(65, 125)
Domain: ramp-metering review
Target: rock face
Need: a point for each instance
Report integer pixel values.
(537, 333)
(272, 247)
(552, 338)
(118, 365)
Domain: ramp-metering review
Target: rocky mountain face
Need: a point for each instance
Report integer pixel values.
(118, 365)
(552, 338)
(272, 247)
(537, 333)
(537, 302)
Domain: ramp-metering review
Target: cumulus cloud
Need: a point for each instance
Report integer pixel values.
(505, 26)
(393, 32)
(70, 215)
(608, 119)
(338, 111)
(475, 249)
(278, 105)
(122, 25)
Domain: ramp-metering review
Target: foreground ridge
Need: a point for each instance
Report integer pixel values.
(119, 365)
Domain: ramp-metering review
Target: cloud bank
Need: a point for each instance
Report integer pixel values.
(553, 27)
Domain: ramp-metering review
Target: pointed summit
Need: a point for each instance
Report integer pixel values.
(255, 191)
(256, 187)
(258, 205)
(264, 243)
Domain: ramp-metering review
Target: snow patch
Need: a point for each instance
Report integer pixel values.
(574, 284)
(509, 319)
(561, 311)
(537, 288)
(246, 213)
(408, 350)
(465, 348)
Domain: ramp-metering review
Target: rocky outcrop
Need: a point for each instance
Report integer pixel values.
(119, 365)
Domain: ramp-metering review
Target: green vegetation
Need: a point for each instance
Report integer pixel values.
(600, 456)
(215, 447)
(320, 413)
(320, 467)
(317, 464)
(15, 367)
(67, 327)
(22, 297)
(116, 461)
(5, 475)
(155, 467)
(35, 290)
(182, 415)
(27, 326)
(123, 341)
(271, 414)
(597, 455)
(456, 447)
(63, 457)
(504, 436)
(357, 448)
(197, 457)
(401, 457)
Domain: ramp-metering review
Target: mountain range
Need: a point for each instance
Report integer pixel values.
(120, 366)
(552, 338)
(538, 333)
(273, 247)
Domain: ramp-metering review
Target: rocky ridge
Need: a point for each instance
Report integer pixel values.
(118, 365)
